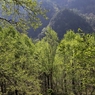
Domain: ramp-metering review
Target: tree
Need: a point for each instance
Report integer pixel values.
(74, 63)
(18, 73)
(45, 55)
(21, 13)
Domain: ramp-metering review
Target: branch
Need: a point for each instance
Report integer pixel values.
(9, 21)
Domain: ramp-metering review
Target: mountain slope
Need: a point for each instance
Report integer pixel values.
(66, 19)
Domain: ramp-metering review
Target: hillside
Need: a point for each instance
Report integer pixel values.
(85, 8)
(65, 20)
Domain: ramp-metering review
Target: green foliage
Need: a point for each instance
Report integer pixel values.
(75, 63)
(45, 49)
(17, 69)
(21, 13)
(48, 66)
(45, 52)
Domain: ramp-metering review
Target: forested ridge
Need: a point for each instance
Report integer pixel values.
(45, 66)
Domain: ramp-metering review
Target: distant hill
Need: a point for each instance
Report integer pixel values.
(83, 7)
(65, 20)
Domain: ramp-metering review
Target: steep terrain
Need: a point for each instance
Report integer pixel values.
(85, 8)
(66, 19)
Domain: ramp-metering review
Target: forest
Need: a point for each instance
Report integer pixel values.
(48, 65)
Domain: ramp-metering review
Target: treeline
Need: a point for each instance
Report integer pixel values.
(47, 66)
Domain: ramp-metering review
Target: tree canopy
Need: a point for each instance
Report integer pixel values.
(47, 66)
(18, 73)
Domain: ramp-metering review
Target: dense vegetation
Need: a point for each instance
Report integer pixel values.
(45, 66)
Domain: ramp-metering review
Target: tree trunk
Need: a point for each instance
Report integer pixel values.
(3, 87)
(51, 80)
(16, 92)
(65, 84)
(48, 82)
(74, 86)
(45, 84)
(93, 89)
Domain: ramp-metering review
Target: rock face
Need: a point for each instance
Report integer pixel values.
(65, 20)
